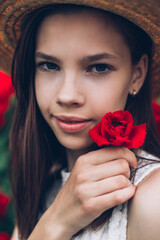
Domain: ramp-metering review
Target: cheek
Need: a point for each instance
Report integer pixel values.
(42, 95)
(109, 99)
(39, 93)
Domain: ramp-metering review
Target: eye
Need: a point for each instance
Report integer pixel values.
(48, 66)
(99, 68)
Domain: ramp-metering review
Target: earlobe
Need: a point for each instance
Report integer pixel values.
(139, 75)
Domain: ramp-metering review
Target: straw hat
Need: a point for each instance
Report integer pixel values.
(144, 13)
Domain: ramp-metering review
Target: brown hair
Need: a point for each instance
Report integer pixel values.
(34, 146)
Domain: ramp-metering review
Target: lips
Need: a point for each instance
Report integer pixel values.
(72, 124)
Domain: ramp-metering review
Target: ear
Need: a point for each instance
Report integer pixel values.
(139, 75)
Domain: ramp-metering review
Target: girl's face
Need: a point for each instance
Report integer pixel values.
(83, 70)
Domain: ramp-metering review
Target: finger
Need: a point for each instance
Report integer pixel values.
(110, 169)
(103, 187)
(109, 154)
(110, 185)
(102, 203)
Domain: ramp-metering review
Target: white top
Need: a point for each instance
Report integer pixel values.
(116, 227)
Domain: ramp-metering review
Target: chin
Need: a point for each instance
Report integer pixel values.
(76, 145)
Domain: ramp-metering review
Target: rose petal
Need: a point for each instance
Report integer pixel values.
(137, 136)
(120, 141)
(125, 117)
(95, 135)
(129, 125)
(117, 129)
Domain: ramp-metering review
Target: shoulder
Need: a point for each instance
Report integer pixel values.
(144, 209)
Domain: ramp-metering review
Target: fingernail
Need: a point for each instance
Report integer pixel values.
(135, 165)
(135, 186)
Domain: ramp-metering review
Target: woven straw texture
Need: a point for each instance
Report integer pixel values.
(144, 13)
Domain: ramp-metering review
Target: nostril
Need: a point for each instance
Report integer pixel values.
(68, 103)
(72, 98)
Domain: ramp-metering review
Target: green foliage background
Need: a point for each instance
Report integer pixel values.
(6, 223)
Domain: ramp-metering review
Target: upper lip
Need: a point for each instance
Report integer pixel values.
(65, 118)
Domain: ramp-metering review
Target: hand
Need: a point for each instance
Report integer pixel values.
(98, 181)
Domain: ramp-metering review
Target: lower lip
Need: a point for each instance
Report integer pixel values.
(72, 127)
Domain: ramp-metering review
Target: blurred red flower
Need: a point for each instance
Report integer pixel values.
(156, 112)
(4, 236)
(6, 90)
(4, 202)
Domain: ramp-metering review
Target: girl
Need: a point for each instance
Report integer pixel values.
(72, 65)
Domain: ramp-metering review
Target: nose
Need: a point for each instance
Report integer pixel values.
(69, 93)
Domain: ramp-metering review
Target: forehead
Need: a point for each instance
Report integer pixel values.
(88, 29)
(83, 15)
(89, 17)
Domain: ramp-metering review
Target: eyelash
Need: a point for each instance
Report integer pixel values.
(42, 67)
(101, 65)
(55, 67)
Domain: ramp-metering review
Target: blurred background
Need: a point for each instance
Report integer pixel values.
(7, 106)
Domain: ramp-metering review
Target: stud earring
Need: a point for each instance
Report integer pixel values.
(134, 93)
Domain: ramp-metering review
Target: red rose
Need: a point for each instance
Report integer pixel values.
(4, 202)
(156, 112)
(4, 236)
(117, 129)
(6, 89)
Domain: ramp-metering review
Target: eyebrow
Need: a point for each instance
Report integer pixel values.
(100, 56)
(46, 57)
(90, 58)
